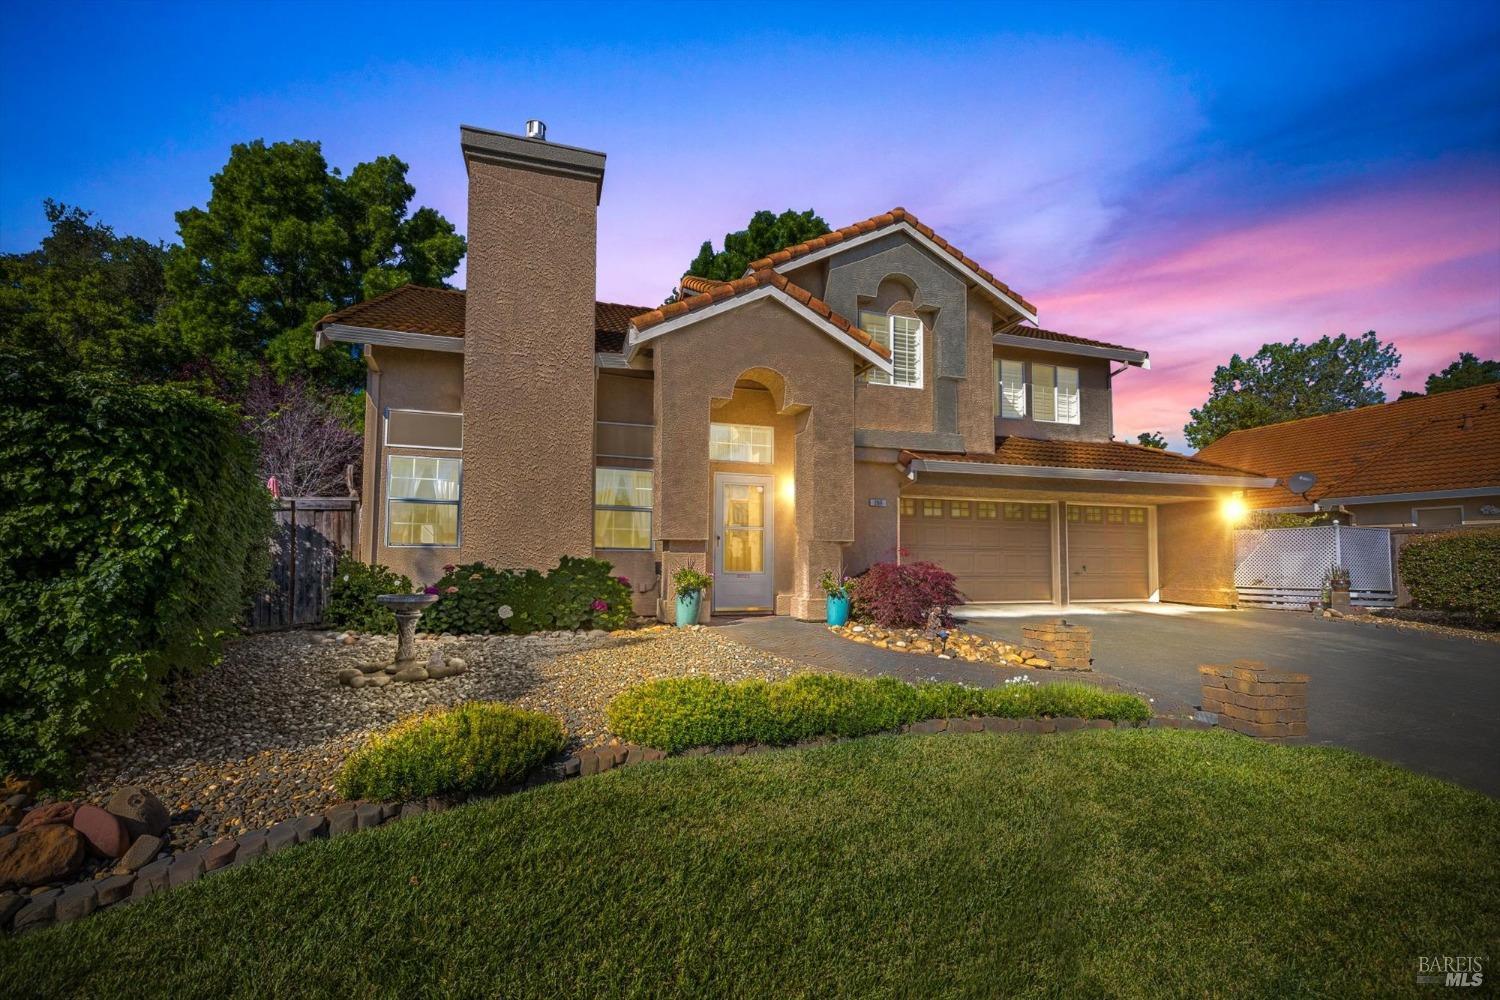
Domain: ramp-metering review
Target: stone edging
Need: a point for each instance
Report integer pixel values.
(27, 913)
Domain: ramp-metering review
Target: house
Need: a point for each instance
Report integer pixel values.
(873, 394)
(1426, 461)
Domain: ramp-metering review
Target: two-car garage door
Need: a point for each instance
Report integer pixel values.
(1002, 550)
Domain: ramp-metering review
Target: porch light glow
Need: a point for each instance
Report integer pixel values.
(788, 489)
(1234, 509)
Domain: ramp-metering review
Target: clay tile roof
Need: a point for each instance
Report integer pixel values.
(1450, 441)
(1116, 456)
(761, 278)
(440, 312)
(1066, 338)
(408, 309)
(693, 284)
(880, 221)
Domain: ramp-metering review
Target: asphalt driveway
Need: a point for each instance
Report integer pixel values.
(1428, 702)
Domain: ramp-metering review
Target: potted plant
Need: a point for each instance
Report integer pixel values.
(690, 586)
(838, 597)
(1338, 589)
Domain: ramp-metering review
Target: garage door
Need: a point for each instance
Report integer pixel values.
(999, 551)
(1109, 554)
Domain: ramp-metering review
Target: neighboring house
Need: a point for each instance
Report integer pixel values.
(870, 395)
(1426, 461)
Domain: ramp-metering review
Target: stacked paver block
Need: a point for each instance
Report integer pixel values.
(1063, 646)
(1254, 699)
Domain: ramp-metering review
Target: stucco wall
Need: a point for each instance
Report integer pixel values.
(1195, 554)
(529, 366)
(1392, 514)
(805, 370)
(1095, 402)
(875, 528)
(405, 380)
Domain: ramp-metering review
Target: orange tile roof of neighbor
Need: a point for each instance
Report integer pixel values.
(1115, 456)
(1066, 338)
(1450, 441)
(870, 225)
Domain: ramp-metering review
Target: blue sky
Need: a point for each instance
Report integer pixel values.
(1190, 179)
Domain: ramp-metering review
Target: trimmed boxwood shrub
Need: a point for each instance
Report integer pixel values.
(351, 596)
(900, 595)
(677, 713)
(476, 747)
(575, 594)
(133, 532)
(1457, 572)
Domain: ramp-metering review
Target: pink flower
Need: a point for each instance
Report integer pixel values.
(429, 590)
(600, 605)
(449, 568)
(623, 580)
(451, 590)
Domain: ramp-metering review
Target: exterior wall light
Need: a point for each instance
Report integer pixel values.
(1234, 509)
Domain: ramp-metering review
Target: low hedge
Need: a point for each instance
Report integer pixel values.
(351, 596)
(476, 747)
(133, 532)
(1456, 572)
(574, 594)
(677, 713)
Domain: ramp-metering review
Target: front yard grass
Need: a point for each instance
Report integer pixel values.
(1125, 863)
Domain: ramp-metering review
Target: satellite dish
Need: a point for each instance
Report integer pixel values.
(1301, 482)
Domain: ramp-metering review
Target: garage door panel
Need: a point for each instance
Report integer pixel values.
(998, 552)
(1108, 553)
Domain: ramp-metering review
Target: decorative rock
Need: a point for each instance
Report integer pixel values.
(13, 785)
(151, 878)
(410, 810)
(458, 662)
(379, 680)
(994, 724)
(113, 889)
(141, 811)
(349, 639)
(361, 681)
(10, 904)
(341, 819)
(389, 811)
(37, 912)
(42, 854)
(104, 831)
(410, 674)
(185, 868)
(452, 668)
(220, 855)
(141, 852)
(436, 805)
(281, 836)
(311, 827)
(367, 815)
(52, 812)
(348, 674)
(370, 667)
(250, 846)
(1067, 724)
(435, 660)
(11, 816)
(572, 767)
(76, 901)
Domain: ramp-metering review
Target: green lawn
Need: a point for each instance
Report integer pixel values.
(1137, 863)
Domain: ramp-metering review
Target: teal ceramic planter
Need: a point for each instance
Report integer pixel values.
(838, 610)
(687, 608)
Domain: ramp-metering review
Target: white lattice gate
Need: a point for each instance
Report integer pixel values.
(1288, 567)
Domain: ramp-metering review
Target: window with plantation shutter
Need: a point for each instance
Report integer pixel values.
(1054, 394)
(1011, 379)
(902, 336)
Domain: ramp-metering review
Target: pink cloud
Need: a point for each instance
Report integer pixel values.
(1420, 265)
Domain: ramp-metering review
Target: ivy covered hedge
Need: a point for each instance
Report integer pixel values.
(1457, 572)
(133, 531)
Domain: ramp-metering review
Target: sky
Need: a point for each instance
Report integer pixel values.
(1192, 180)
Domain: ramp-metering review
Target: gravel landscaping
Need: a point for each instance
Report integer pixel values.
(259, 738)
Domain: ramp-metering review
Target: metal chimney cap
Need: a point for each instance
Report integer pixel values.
(536, 129)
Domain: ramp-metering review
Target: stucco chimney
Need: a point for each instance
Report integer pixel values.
(528, 478)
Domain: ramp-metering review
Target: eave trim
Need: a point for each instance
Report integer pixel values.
(1478, 491)
(387, 338)
(1140, 359)
(1100, 475)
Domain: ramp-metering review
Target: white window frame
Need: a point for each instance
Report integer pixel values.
(1415, 522)
(876, 376)
(385, 430)
(1076, 416)
(458, 515)
(770, 446)
(650, 511)
(1018, 401)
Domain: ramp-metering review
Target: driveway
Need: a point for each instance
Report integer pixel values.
(1427, 702)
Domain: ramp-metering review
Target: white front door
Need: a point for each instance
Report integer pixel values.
(744, 529)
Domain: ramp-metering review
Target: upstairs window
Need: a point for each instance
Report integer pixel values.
(1010, 381)
(422, 497)
(902, 336)
(1054, 394)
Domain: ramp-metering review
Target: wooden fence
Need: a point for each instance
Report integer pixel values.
(311, 533)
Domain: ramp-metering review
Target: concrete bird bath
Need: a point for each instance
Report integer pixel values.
(408, 609)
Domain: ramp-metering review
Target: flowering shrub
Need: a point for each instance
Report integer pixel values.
(351, 597)
(677, 713)
(576, 594)
(1455, 572)
(900, 596)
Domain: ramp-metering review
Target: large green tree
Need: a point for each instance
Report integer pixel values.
(1151, 439)
(766, 233)
(87, 299)
(1290, 381)
(283, 240)
(1465, 373)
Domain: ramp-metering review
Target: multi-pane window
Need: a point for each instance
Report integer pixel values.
(932, 508)
(1136, 515)
(958, 508)
(902, 336)
(1039, 512)
(1010, 381)
(422, 497)
(740, 443)
(984, 510)
(908, 506)
(622, 508)
(1054, 394)
(1015, 512)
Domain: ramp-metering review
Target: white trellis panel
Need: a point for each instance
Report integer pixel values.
(1288, 567)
